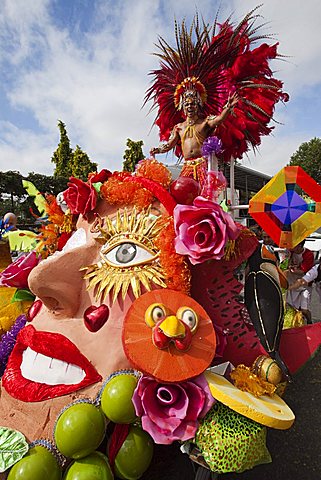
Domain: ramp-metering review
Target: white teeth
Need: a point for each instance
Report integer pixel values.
(51, 371)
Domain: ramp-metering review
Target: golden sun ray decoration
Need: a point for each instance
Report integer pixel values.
(129, 257)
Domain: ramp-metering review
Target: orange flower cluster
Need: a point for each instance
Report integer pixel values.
(154, 170)
(245, 380)
(117, 192)
(176, 270)
(58, 223)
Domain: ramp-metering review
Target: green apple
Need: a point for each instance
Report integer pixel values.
(135, 455)
(93, 467)
(79, 430)
(38, 464)
(116, 399)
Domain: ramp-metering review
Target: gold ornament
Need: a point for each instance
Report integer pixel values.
(129, 257)
(267, 369)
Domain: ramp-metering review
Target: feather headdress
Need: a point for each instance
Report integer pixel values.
(214, 61)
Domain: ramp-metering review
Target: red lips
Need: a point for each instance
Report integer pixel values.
(53, 345)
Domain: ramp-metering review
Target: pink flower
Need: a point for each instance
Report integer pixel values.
(80, 196)
(170, 411)
(202, 230)
(17, 273)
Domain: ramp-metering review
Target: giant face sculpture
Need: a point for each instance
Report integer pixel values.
(118, 298)
(74, 342)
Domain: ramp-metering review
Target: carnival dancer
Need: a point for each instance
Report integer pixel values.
(193, 131)
(212, 83)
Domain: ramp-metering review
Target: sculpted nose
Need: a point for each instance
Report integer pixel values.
(58, 281)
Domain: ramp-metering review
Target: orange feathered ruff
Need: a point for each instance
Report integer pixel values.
(154, 170)
(118, 192)
(175, 268)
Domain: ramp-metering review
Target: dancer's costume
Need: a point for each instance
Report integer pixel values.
(209, 64)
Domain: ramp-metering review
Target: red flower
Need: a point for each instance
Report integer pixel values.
(102, 176)
(80, 196)
(17, 273)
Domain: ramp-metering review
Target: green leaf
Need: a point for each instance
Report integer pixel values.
(224, 206)
(22, 295)
(13, 446)
(97, 186)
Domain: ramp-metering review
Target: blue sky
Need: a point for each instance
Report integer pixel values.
(86, 62)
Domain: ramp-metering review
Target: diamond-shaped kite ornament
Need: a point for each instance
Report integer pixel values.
(288, 207)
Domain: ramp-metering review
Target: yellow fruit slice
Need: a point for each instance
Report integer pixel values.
(270, 411)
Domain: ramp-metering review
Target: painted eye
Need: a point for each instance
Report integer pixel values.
(126, 254)
(154, 313)
(188, 316)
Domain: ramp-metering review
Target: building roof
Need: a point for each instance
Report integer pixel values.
(247, 179)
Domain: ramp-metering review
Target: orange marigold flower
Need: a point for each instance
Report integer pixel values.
(117, 192)
(154, 170)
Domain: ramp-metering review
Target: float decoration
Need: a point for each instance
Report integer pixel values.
(168, 335)
(264, 301)
(230, 442)
(13, 447)
(267, 410)
(171, 411)
(288, 207)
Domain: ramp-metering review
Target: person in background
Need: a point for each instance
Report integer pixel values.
(298, 295)
(11, 220)
(312, 276)
(20, 241)
(258, 231)
(267, 240)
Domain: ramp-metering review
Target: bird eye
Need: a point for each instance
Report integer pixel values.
(126, 254)
(188, 316)
(154, 313)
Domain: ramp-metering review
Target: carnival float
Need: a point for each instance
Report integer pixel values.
(132, 342)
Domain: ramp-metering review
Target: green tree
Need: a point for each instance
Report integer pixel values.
(13, 197)
(133, 154)
(308, 156)
(68, 162)
(81, 164)
(62, 157)
(11, 187)
(48, 184)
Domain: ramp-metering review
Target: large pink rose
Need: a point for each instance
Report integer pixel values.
(80, 196)
(170, 411)
(202, 230)
(17, 273)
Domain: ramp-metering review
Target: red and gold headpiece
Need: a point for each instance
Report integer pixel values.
(189, 87)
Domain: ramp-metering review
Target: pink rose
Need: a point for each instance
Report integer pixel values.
(170, 411)
(80, 196)
(17, 273)
(202, 230)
